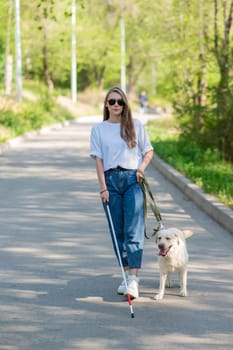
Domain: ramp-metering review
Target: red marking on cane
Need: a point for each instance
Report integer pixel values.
(130, 305)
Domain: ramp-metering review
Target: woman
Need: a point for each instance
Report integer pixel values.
(121, 149)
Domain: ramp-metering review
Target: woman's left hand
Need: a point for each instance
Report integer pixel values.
(139, 175)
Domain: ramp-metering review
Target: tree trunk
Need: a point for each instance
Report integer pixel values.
(47, 77)
(224, 93)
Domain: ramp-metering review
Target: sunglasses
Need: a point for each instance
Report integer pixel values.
(113, 101)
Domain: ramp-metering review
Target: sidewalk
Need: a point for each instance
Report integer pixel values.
(59, 274)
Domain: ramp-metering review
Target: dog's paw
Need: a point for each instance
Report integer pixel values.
(183, 293)
(158, 296)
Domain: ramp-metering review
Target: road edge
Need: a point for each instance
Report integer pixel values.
(222, 214)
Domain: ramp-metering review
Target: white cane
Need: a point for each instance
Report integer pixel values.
(119, 258)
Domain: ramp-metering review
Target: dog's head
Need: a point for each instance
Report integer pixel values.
(166, 239)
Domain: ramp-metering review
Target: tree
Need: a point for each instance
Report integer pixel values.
(223, 50)
(187, 43)
(204, 93)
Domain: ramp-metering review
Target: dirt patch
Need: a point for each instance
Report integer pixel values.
(88, 103)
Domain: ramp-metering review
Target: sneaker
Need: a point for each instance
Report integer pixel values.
(122, 288)
(132, 289)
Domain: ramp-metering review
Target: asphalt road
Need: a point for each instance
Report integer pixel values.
(58, 274)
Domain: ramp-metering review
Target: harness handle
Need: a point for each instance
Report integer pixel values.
(148, 198)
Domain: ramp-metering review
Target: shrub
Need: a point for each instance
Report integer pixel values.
(204, 166)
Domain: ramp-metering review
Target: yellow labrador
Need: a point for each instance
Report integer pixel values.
(173, 256)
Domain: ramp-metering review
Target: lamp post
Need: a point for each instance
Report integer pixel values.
(18, 51)
(73, 54)
(8, 56)
(123, 69)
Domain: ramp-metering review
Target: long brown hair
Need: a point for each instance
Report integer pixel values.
(127, 125)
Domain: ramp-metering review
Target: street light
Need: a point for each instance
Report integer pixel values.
(18, 51)
(123, 69)
(73, 54)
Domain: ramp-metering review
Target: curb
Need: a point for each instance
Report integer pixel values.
(208, 203)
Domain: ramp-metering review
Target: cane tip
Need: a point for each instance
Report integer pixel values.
(132, 315)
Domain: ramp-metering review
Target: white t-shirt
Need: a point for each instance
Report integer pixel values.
(107, 144)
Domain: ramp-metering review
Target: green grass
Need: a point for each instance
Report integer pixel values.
(16, 119)
(40, 108)
(205, 167)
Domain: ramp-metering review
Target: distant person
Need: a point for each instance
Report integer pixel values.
(121, 149)
(143, 101)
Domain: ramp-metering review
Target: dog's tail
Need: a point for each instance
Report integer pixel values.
(187, 233)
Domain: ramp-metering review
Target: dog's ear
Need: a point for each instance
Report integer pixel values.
(187, 234)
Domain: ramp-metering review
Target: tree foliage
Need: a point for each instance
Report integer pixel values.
(181, 50)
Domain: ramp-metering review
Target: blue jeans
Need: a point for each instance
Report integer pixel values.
(127, 211)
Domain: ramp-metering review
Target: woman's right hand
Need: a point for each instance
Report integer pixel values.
(105, 196)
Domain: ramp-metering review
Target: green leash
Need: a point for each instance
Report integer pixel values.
(148, 198)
